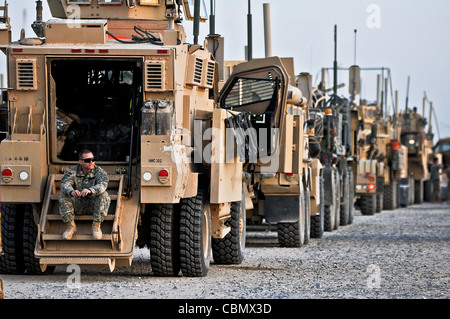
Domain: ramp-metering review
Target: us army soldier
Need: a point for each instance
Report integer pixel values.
(83, 192)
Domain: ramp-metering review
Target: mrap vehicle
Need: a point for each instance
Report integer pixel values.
(273, 131)
(121, 81)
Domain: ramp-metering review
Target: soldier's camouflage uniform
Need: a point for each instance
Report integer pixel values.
(96, 204)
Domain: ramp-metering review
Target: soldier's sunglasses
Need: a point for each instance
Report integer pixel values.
(88, 160)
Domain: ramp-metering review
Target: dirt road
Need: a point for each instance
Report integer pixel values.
(395, 254)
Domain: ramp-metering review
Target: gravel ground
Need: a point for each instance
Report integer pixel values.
(401, 254)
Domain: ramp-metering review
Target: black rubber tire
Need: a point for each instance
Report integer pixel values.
(338, 200)
(368, 204)
(330, 209)
(11, 260)
(418, 191)
(293, 234)
(195, 219)
(379, 208)
(390, 200)
(307, 216)
(317, 222)
(351, 196)
(30, 233)
(345, 204)
(230, 249)
(164, 240)
(427, 191)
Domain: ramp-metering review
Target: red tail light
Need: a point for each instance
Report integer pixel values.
(7, 172)
(163, 173)
(163, 176)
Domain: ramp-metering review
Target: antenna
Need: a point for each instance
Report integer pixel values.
(354, 60)
(335, 88)
(196, 20)
(249, 34)
(407, 94)
(212, 18)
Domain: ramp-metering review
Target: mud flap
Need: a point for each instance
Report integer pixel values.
(281, 209)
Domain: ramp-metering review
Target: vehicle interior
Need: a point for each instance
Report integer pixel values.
(95, 105)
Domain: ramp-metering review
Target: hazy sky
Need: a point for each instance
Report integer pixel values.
(411, 37)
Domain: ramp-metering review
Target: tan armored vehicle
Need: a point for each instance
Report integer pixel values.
(419, 144)
(118, 78)
(269, 123)
(336, 154)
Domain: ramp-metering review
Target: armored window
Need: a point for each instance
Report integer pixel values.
(249, 92)
(79, 1)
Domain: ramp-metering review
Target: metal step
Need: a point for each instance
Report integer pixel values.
(111, 263)
(75, 237)
(79, 217)
(56, 196)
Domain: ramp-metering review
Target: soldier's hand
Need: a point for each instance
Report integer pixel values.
(85, 192)
(75, 193)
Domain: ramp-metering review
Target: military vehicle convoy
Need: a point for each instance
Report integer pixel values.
(118, 78)
(375, 156)
(383, 145)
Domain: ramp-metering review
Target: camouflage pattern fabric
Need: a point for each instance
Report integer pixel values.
(96, 204)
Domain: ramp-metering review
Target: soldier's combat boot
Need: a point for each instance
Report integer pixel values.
(96, 230)
(71, 228)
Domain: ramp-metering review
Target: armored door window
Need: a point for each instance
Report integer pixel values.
(79, 1)
(251, 95)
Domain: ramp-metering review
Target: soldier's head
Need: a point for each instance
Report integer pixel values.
(86, 160)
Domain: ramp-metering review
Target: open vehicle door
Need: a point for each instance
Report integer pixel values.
(255, 94)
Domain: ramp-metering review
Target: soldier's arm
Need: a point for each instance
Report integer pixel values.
(101, 183)
(68, 182)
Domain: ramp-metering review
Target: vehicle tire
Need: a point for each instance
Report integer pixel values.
(11, 260)
(195, 235)
(230, 249)
(427, 191)
(351, 196)
(379, 208)
(30, 233)
(338, 200)
(345, 204)
(368, 204)
(317, 222)
(390, 199)
(329, 212)
(307, 218)
(293, 234)
(164, 240)
(412, 191)
(418, 191)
